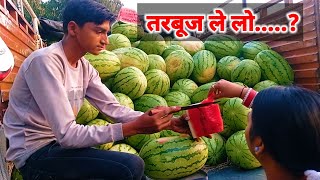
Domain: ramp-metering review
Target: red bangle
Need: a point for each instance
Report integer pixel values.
(242, 91)
(247, 101)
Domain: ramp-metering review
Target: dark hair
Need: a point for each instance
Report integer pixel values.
(288, 121)
(83, 11)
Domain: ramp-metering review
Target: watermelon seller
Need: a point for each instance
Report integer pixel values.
(44, 140)
(283, 131)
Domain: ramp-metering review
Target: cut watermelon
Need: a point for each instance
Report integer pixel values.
(205, 120)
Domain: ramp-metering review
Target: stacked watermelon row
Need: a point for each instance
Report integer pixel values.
(147, 70)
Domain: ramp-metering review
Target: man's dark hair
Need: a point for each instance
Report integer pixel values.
(84, 11)
(288, 121)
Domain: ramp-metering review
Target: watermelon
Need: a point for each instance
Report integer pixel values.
(222, 102)
(179, 65)
(168, 133)
(264, 85)
(177, 98)
(106, 63)
(138, 140)
(149, 101)
(238, 151)
(192, 45)
(252, 48)
(204, 66)
(201, 93)
(124, 148)
(117, 41)
(86, 113)
(247, 72)
(135, 44)
(173, 157)
(152, 44)
(130, 81)
(158, 82)
(16, 174)
(170, 49)
(216, 149)
(205, 120)
(274, 67)
(168, 40)
(226, 65)
(235, 115)
(222, 45)
(132, 31)
(108, 82)
(227, 131)
(132, 57)
(186, 86)
(124, 100)
(156, 62)
(101, 122)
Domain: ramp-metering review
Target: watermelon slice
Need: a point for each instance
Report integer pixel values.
(206, 120)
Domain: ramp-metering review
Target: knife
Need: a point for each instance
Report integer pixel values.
(197, 105)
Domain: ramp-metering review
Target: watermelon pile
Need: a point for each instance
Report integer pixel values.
(147, 70)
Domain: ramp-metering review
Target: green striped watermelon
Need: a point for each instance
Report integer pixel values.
(168, 40)
(152, 44)
(132, 31)
(201, 93)
(222, 45)
(204, 66)
(177, 98)
(16, 174)
(192, 45)
(274, 67)
(227, 131)
(179, 65)
(124, 148)
(168, 133)
(158, 82)
(170, 49)
(156, 62)
(149, 101)
(186, 86)
(247, 72)
(238, 151)
(131, 82)
(131, 56)
(86, 113)
(106, 63)
(135, 44)
(173, 157)
(216, 149)
(108, 82)
(235, 115)
(117, 41)
(264, 85)
(226, 65)
(252, 48)
(138, 140)
(101, 122)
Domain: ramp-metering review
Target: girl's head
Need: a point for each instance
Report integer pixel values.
(285, 124)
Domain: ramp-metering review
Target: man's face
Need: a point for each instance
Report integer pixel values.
(93, 38)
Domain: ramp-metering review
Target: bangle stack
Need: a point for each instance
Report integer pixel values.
(249, 97)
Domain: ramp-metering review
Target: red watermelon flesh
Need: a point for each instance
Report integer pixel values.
(205, 120)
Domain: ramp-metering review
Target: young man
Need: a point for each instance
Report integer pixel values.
(44, 140)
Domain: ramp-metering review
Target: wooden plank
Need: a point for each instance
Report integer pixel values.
(6, 24)
(10, 78)
(307, 73)
(305, 66)
(300, 59)
(309, 50)
(284, 46)
(306, 80)
(14, 43)
(18, 58)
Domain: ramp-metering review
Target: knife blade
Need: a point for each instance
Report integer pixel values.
(197, 105)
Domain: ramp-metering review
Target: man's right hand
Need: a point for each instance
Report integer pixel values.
(150, 122)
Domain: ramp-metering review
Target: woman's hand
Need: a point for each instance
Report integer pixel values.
(225, 88)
